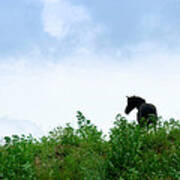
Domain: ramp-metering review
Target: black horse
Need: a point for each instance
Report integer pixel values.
(147, 113)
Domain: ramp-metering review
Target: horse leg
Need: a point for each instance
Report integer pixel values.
(140, 119)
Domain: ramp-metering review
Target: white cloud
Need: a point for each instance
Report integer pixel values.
(61, 19)
(50, 95)
(11, 126)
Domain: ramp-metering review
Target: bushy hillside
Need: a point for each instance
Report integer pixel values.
(130, 152)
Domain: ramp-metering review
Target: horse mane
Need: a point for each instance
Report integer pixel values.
(139, 100)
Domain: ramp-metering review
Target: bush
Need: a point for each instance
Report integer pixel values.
(137, 153)
(130, 152)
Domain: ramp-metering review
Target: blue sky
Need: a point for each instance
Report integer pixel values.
(60, 56)
(125, 22)
(20, 26)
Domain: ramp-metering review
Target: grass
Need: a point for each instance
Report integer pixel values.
(130, 152)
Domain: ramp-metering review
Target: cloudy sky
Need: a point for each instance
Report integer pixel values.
(60, 56)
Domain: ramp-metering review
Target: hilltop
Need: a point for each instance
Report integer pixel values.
(129, 152)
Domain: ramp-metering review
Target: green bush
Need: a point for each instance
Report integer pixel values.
(129, 152)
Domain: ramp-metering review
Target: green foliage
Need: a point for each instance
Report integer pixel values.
(130, 152)
(16, 158)
(138, 153)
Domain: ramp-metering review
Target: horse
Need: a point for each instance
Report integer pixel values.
(146, 114)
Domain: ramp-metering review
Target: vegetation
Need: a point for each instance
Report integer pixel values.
(130, 152)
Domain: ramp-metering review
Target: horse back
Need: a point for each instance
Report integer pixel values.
(145, 110)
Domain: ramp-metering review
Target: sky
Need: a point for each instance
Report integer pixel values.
(61, 56)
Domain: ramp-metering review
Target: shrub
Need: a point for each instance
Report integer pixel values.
(130, 152)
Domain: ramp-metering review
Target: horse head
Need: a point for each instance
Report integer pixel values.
(133, 102)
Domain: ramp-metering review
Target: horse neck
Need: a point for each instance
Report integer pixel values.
(139, 104)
